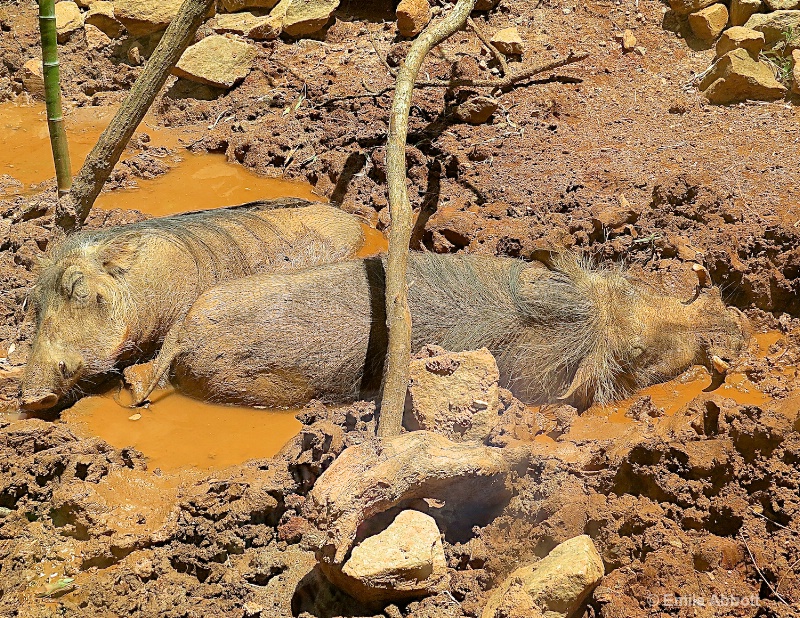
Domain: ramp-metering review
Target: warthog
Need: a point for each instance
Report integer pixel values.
(106, 298)
(571, 332)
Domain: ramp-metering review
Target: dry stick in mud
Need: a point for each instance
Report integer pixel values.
(52, 95)
(398, 316)
(509, 81)
(74, 207)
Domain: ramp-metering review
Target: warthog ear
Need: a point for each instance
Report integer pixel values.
(119, 254)
(73, 283)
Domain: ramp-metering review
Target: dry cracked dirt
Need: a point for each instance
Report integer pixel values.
(686, 493)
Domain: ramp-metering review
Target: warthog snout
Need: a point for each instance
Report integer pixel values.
(50, 374)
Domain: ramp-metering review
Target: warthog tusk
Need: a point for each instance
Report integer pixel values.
(720, 365)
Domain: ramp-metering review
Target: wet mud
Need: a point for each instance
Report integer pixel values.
(191, 510)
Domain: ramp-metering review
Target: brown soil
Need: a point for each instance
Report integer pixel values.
(686, 493)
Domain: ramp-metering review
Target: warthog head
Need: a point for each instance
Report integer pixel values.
(83, 314)
(642, 336)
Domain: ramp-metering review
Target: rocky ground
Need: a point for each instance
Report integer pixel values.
(618, 155)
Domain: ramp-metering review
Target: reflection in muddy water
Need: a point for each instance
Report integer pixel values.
(200, 182)
(177, 432)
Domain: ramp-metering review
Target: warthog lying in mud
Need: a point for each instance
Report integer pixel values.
(107, 298)
(570, 332)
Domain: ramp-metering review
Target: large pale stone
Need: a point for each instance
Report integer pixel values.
(216, 61)
(101, 15)
(68, 19)
(738, 77)
(233, 6)
(782, 5)
(508, 41)
(407, 557)
(707, 23)
(245, 24)
(684, 7)
(95, 38)
(796, 71)
(455, 394)
(32, 77)
(308, 16)
(146, 16)
(740, 37)
(741, 10)
(774, 25)
(412, 16)
(554, 587)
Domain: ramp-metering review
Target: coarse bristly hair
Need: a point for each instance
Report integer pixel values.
(574, 332)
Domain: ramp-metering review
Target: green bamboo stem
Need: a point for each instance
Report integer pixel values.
(52, 95)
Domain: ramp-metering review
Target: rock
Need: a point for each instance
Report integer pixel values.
(308, 16)
(707, 23)
(145, 16)
(486, 5)
(406, 558)
(554, 587)
(216, 61)
(739, 37)
(33, 77)
(476, 110)
(741, 10)
(370, 478)
(455, 394)
(412, 16)
(684, 7)
(508, 42)
(68, 19)
(95, 38)
(233, 6)
(628, 41)
(782, 5)
(737, 77)
(101, 16)
(774, 24)
(244, 24)
(134, 55)
(796, 71)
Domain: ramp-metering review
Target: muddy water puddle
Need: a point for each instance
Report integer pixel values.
(194, 181)
(177, 432)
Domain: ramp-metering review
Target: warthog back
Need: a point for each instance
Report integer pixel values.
(570, 333)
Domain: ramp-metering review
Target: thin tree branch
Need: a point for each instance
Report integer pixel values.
(497, 84)
(501, 59)
(73, 209)
(398, 316)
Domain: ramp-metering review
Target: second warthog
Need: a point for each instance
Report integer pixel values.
(106, 298)
(571, 332)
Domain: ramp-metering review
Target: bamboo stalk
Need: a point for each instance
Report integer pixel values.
(398, 316)
(52, 95)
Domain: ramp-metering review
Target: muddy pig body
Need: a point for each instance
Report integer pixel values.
(566, 333)
(106, 298)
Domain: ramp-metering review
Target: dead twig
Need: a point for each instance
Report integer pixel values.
(501, 59)
(398, 314)
(496, 84)
(385, 62)
(763, 578)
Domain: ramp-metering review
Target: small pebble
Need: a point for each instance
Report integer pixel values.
(134, 417)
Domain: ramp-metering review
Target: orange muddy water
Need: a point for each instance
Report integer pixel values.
(178, 432)
(194, 182)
